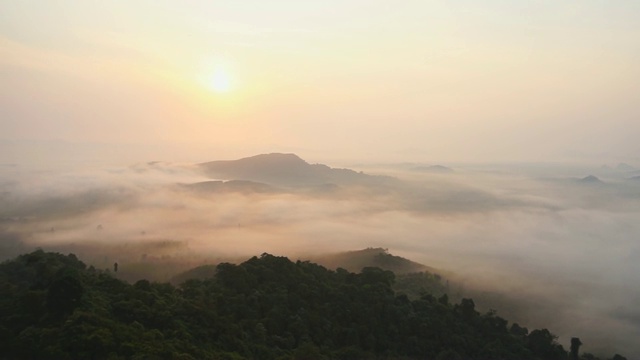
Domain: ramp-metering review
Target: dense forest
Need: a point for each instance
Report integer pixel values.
(53, 306)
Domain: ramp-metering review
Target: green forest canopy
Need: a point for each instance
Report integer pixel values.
(53, 306)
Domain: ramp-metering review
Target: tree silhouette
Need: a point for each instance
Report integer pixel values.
(64, 293)
(575, 347)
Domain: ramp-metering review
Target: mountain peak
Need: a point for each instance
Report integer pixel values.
(282, 169)
(433, 169)
(625, 167)
(590, 179)
(271, 159)
(276, 157)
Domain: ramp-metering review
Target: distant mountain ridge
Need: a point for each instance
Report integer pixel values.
(590, 179)
(285, 170)
(625, 167)
(244, 186)
(432, 169)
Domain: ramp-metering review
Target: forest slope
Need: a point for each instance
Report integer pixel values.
(53, 307)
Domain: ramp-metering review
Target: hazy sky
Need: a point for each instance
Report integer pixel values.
(415, 80)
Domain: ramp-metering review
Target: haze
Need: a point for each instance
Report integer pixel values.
(497, 142)
(454, 80)
(544, 245)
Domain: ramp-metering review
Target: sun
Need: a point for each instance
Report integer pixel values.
(220, 81)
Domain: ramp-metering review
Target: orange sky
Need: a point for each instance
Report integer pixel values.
(455, 80)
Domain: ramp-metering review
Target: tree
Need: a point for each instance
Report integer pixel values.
(543, 344)
(519, 331)
(575, 347)
(65, 293)
(618, 357)
(467, 308)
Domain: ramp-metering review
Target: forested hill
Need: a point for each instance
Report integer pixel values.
(378, 257)
(53, 307)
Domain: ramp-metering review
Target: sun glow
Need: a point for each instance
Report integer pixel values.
(220, 81)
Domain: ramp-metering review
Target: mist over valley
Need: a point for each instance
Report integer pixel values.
(547, 246)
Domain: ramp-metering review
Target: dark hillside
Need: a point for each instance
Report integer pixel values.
(354, 261)
(53, 307)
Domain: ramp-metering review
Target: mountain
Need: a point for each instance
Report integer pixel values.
(200, 273)
(286, 170)
(355, 261)
(625, 167)
(590, 180)
(243, 186)
(433, 169)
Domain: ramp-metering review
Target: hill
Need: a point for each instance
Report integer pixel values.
(242, 186)
(201, 272)
(412, 279)
(285, 170)
(354, 261)
(625, 167)
(438, 169)
(53, 307)
(590, 179)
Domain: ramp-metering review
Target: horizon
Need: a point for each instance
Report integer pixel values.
(56, 152)
(460, 81)
(109, 110)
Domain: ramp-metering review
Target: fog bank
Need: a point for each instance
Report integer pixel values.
(545, 246)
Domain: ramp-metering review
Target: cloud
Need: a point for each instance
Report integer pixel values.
(545, 253)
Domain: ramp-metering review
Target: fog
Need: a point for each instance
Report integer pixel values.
(543, 244)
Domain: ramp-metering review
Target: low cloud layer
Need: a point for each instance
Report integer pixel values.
(543, 247)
